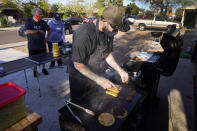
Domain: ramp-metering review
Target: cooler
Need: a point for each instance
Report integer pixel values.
(12, 104)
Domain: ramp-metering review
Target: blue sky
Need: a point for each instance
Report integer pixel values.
(126, 2)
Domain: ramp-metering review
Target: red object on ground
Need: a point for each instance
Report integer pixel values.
(9, 92)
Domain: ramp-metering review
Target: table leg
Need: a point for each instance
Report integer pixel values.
(26, 81)
(38, 86)
(195, 99)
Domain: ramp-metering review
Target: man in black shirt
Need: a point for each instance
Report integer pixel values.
(36, 29)
(92, 47)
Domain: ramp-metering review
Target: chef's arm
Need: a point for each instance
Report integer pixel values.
(111, 61)
(103, 82)
(32, 31)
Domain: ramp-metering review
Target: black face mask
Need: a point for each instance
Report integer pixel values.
(109, 33)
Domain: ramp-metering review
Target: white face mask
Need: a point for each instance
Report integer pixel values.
(55, 21)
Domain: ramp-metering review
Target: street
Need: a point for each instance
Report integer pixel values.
(10, 36)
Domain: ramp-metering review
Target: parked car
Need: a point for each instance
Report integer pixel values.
(86, 20)
(22, 31)
(74, 20)
(131, 19)
(159, 22)
(47, 19)
(67, 25)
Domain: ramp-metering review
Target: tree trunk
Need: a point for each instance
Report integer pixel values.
(166, 6)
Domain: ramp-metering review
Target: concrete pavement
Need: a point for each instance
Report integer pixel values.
(9, 28)
(54, 89)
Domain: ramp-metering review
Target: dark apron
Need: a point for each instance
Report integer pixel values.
(81, 86)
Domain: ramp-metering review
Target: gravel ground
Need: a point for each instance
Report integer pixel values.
(125, 44)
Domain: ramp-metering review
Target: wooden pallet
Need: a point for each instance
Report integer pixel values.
(29, 123)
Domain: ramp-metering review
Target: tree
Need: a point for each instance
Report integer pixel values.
(149, 14)
(116, 2)
(132, 9)
(162, 6)
(54, 8)
(99, 4)
(27, 7)
(44, 5)
(179, 12)
(10, 3)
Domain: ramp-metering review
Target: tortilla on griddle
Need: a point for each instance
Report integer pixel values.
(106, 119)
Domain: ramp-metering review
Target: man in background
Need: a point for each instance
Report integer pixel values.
(36, 29)
(57, 35)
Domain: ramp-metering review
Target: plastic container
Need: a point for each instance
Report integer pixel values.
(12, 104)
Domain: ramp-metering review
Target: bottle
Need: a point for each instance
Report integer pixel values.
(56, 51)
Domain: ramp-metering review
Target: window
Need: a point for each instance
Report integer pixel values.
(159, 18)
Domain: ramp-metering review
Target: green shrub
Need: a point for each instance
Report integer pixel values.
(4, 22)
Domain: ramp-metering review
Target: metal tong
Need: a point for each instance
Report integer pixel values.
(80, 107)
(76, 117)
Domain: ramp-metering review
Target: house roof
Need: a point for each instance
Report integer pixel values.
(190, 5)
(5, 7)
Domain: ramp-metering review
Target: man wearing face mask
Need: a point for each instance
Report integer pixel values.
(36, 29)
(57, 35)
(92, 51)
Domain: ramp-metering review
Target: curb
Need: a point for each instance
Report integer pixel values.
(6, 46)
(9, 29)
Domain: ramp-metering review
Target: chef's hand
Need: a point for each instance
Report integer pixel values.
(41, 31)
(105, 83)
(124, 76)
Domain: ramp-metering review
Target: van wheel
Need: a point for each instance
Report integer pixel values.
(141, 27)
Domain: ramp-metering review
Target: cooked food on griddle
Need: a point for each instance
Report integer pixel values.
(111, 93)
(113, 90)
(106, 119)
(119, 112)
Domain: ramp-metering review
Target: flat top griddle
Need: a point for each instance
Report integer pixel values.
(100, 102)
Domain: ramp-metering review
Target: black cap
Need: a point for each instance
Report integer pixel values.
(56, 16)
(115, 15)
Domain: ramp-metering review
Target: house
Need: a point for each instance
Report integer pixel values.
(189, 17)
(12, 14)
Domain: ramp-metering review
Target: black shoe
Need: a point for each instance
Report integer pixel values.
(59, 62)
(60, 65)
(35, 74)
(52, 65)
(44, 71)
